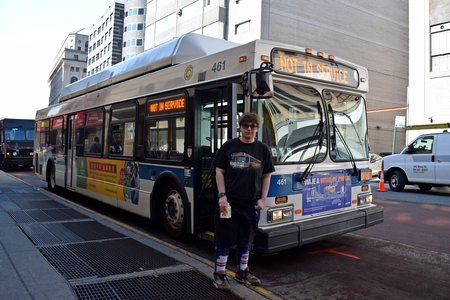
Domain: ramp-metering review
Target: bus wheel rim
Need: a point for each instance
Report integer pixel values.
(174, 209)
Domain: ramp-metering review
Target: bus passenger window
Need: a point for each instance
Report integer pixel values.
(93, 133)
(123, 131)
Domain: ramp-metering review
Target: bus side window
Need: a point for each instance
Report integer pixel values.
(123, 130)
(93, 133)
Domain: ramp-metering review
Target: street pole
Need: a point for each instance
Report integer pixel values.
(395, 138)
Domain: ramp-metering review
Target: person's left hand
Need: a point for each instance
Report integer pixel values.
(260, 204)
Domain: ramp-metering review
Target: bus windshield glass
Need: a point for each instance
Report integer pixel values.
(19, 133)
(291, 124)
(348, 126)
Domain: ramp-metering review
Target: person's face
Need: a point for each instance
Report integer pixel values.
(249, 129)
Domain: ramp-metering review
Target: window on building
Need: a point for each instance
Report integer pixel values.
(139, 42)
(75, 57)
(440, 48)
(140, 26)
(73, 79)
(84, 70)
(242, 27)
(72, 69)
(141, 11)
(77, 69)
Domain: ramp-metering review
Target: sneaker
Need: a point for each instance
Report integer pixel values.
(245, 277)
(221, 281)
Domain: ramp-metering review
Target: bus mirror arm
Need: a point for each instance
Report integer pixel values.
(255, 83)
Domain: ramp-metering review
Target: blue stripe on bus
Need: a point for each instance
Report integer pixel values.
(152, 172)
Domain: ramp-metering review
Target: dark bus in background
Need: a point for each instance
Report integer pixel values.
(16, 143)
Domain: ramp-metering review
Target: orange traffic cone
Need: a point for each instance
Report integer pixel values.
(381, 186)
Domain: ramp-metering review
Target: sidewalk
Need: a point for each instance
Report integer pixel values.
(50, 249)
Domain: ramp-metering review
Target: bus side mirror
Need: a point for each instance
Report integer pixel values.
(256, 83)
(411, 149)
(260, 85)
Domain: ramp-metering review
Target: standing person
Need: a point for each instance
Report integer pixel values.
(243, 169)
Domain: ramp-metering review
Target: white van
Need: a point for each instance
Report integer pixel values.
(425, 162)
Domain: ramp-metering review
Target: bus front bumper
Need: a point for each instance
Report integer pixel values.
(304, 232)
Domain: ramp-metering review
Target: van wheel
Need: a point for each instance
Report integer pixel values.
(51, 182)
(397, 181)
(425, 187)
(174, 212)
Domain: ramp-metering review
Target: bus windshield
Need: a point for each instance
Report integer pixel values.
(348, 126)
(291, 124)
(19, 133)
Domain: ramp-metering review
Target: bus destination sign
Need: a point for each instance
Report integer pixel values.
(167, 105)
(301, 64)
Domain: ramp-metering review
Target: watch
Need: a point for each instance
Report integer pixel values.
(221, 195)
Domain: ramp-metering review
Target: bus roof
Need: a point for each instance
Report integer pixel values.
(181, 49)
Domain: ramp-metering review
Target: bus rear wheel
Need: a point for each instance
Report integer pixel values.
(174, 211)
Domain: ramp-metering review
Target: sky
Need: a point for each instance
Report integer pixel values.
(32, 33)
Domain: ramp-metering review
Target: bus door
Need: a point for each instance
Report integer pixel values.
(216, 123)
(71, 154)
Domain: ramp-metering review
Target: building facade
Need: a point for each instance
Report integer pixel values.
(133, 28)
(70, 63)
(167, 19)
(105, 39)
(373, 34)
(429, 65)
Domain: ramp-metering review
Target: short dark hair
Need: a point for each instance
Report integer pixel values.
(249, 117)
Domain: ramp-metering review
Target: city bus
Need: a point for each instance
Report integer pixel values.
(142, 136)
(16, 143)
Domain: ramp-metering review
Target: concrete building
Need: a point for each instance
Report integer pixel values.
(429, 66)
(105, 39)
(133, 28)
(371, 33)
(70, 63)
(167, 19)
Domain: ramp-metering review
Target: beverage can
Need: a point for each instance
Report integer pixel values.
(226, 214)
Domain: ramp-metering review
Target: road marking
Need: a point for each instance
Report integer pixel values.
(334, 251)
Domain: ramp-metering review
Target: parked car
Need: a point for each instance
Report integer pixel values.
(375, 163)
(425, 162)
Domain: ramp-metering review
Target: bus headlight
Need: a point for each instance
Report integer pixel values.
(365, 199)
(280, 214)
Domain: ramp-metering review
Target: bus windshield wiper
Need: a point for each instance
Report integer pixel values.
(318, 133)
(338, 133)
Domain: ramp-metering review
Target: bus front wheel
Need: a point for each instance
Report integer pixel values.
(174, 211)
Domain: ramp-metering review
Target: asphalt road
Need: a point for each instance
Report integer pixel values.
(406, 257)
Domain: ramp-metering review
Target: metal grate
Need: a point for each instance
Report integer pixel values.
(21, 217)
(50, 233)
(96, 291)
(106, 258)
(92, 230)
(37, 204)
(67, 263)
(46, 215)
(178, 285)
(35, 196)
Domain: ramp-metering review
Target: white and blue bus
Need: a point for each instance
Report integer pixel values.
(142, 135)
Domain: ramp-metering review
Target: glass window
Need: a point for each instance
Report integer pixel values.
(141, 11)
(348, 126)
(423, 145)
(56, 136)
(440, 48)
(123, 131)
(290, 124)
(93, 132)
(165, 138)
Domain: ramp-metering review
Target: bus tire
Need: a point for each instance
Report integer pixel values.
(173, 211)
(51, 182)
(397, 181)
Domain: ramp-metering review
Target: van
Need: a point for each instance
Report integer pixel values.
(425, 162)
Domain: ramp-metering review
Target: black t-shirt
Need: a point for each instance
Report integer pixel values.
(244, 165)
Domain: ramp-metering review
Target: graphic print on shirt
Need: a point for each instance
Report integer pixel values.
(242, 160)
